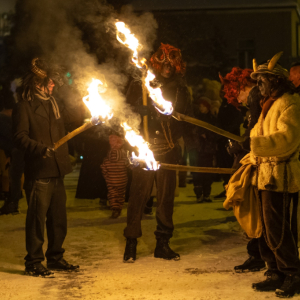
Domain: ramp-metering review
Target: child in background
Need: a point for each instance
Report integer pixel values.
(114, 170)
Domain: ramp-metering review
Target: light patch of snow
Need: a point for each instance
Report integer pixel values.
(207, 237)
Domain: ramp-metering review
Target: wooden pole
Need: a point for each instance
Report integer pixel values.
(181, 117)
(197, 169)
(145, 118)
(72, 134)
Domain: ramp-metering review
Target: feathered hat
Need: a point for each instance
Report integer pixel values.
(270, 67)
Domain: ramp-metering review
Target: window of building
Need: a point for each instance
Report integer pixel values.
(246, 53)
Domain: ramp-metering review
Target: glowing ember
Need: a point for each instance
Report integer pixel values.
(130, 41)
(95, 103)
(145, 154)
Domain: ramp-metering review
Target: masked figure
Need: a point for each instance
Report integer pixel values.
(164, 132)
(275, 142)
(239, 88)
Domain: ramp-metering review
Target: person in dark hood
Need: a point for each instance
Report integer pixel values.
(15, 166)
(164, 132)
(38, 122)
(239, 89)
(203, 155)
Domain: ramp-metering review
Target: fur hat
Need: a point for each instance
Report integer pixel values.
(270, 67)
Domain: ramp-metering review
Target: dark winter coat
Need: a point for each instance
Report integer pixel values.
(175, 91)
(240, 150)
(206, 139)
(6, 134)
(34, 129)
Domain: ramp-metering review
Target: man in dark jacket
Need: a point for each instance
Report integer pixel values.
(38, 122)
(164, 131)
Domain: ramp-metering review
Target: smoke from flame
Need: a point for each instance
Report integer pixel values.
(98, 107)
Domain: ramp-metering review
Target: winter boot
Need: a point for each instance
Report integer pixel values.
(200, 199)
(207, 199)
(290, 287)
(252, 264)
(9, 208)
(274, 281)
(130, 251)
(199, 193)
(164, 251)
(61, 265)
(37, 269)
(116, 213)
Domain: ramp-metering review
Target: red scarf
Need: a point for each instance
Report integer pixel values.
(266, 105)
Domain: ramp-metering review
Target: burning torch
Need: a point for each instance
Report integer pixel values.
(163, 106)
(100, 111)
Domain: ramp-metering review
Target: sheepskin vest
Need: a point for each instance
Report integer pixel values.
(275, 144)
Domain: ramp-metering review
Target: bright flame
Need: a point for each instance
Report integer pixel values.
(157, 97)
(164, 107)
(130, 41)
(145, 154)
(98, 108)
(95, 103)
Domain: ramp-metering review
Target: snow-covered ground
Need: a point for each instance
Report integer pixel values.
(207, 237)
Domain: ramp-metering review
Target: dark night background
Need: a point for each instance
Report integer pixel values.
(213, 35)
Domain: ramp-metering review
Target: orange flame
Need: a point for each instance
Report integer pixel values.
(95, 103)
(98, 107)
(130, 41)
(145, 154)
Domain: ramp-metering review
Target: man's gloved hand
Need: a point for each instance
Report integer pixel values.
(48, 152)
(233, 147)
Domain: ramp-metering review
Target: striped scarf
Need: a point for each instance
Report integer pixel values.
(45, 97)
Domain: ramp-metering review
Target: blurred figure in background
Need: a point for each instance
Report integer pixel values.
(114, 169)
(203, 155)
(13, 167)
(229, 118)
(295, 75)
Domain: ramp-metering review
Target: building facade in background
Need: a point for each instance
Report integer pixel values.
(216, 35)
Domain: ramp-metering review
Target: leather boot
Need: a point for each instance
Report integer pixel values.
(164, 251)
(130, 251)
(290, 287)
(252, 264)
(199, 193)
(274, 281)
(9, 208)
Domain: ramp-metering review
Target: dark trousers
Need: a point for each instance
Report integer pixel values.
(253, 248)
(202, 181)
(285, 258)
(140, 192)
(46, 201)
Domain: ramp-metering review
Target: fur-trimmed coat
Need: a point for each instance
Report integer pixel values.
(275, 141)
